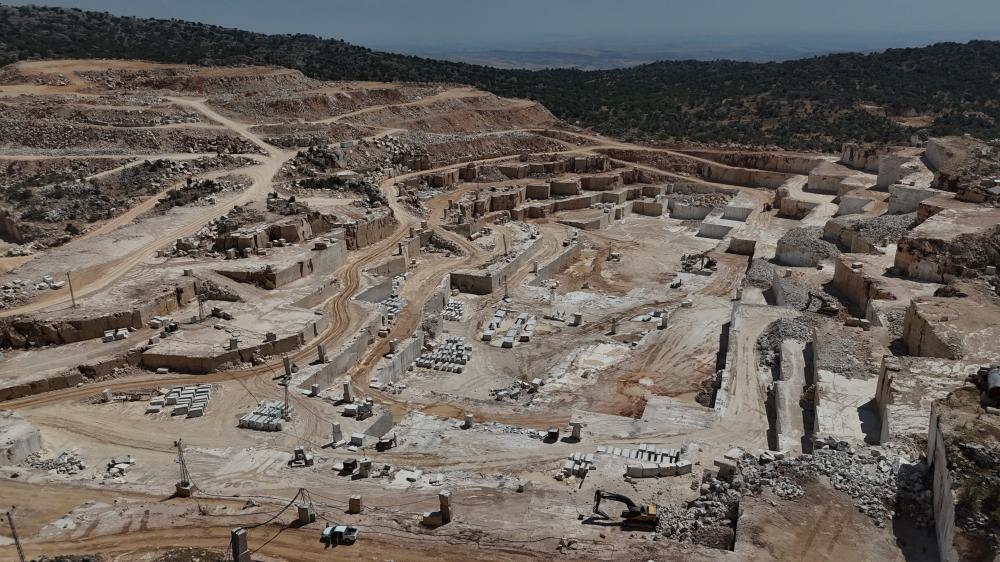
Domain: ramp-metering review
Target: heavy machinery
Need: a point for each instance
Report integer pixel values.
(338, 534)
(386, 442)
(634, 516)
(183, 488)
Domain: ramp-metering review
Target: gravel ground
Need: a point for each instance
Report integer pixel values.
(808, 240)
(769, 342)
(881, 230)
(844, 352)
(882, 487)
(760, 273)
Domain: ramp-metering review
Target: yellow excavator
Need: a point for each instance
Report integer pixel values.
(634, 516)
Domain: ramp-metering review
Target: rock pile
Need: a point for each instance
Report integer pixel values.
(804, 246)
(66, 463)
(769, 342)
(881, 230)
(882, 487)
(195, 191)
(714, 200)
(760, 274)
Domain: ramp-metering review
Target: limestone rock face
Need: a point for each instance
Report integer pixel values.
(18, 438)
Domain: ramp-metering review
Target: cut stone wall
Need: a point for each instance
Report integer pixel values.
(714, 229)
(90, 322)
(771, 161)
(597, 223)
(377, 292)
(741, 246)
(938, 153)
(648, 208)
(894, 167)
(485, 281)
(847, 238)
(683, 211)
(862, 156)
(944, 500)
(390, 267)
(18, 438)
(391, 369)
(565, 187)
(855, 283)
(324, 258)
(433, 306)
(921, 338)
(368, 231)
(600, 183)
(538, 191)
(905, 199)
(559, 263)
(343, 358)
(46, 384)
(737, 211)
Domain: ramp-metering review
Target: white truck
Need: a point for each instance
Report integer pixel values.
(339, 534)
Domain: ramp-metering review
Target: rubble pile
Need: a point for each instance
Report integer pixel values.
(17, 174)
(808, 240)
(690, 262)
(714, 200)
(372, 196)
(299, 135)
(438, 244)
(49, 213)
(975, 471)
(214, 292)
(56, 135)
(881, 230)
(195, 191)
(68, 462)
(191, 79)
(769, 341)
(151, 176)
(375, 160)
(844, 352)
(882, 488)
(118, 118)
(475, 146)
(760, 274)
(14, 292)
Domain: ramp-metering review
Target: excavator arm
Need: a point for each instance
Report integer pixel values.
(601, 495)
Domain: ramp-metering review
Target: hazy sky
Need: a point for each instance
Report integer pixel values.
(428, 22)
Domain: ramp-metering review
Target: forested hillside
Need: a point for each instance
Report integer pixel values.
(812, 103)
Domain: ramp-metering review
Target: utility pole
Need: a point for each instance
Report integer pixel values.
(13, 533)
(69, 281)
(284, 380)
(201, 306)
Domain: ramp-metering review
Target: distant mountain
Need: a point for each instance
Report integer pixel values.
(814, 103)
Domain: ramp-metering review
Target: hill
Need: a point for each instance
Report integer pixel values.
(815, 103)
